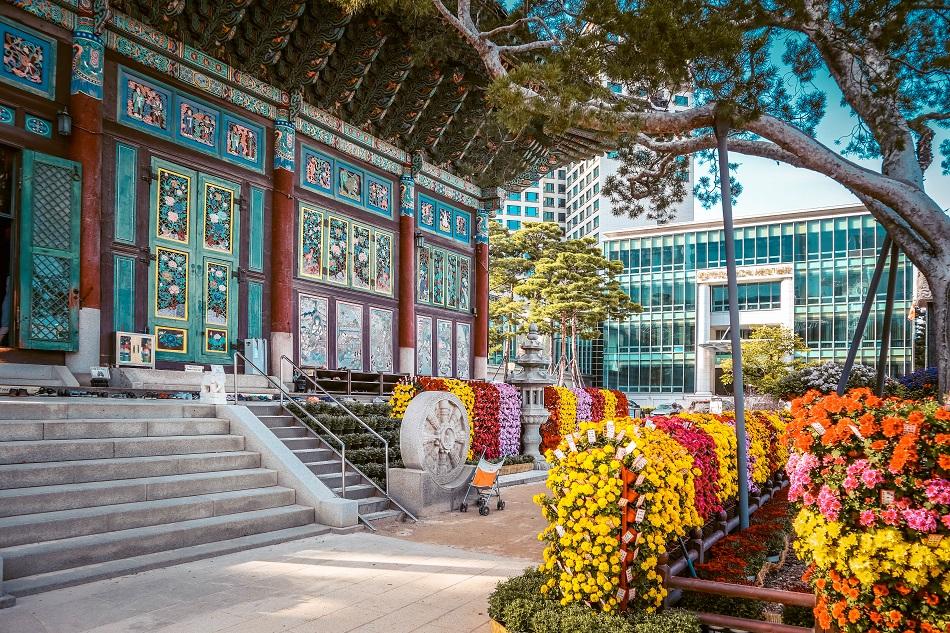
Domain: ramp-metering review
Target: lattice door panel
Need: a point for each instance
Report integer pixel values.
(49, 253)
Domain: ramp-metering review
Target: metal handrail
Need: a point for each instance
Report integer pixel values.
(312, 381)
(283, 392)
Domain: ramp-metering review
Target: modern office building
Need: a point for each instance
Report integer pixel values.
(544, 201)
(806, 270)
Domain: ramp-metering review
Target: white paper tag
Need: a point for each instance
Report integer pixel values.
(640, 463)
(636, 553)
(559, 529)
(621, 594)
(622, 502)
(856, 432)
(651, 425)
(631, 446)
(620, 435)
(640, 478)
(641, 501)
(571, 445)
(637, 432)
(559, 454)
(610, 429)
(591, 436)
(640, 514)
(620, 454)
(629, 574)
(934, 540)
(909, 429)
(627, 537)
(819, 429)
(623, 555)
(887, 497)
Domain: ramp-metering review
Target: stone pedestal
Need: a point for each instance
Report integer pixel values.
(531, 377)
(419, 493)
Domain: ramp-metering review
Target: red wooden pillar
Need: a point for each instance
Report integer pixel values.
(85, 147)
(407, 274)
(282, 249)
(480, 339)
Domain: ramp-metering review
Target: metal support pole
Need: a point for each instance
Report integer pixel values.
(888, 313)
(722, 133)
(865, 313)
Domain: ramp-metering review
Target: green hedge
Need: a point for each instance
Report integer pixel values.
(363, 449)
(518, 604)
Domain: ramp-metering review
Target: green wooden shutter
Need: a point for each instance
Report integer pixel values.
(49, 253)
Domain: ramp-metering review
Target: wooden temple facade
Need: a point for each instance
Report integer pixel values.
(288, 193)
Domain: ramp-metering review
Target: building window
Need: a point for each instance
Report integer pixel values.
(549, 187)
(531, 212)
(681, 100)
(596, 171)
(561, 188)
(561, 217)
(514, 225)
(549, 216)
(514, 209)
(757, 296)
(531, 196)
(514, 195)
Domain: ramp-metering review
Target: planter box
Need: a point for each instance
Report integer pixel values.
(511, 469)
(495, 627)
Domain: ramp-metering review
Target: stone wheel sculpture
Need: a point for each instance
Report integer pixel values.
(435, 436)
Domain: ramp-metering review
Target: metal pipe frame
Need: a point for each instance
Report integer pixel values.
(888, 313)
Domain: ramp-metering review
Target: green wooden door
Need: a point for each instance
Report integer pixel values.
(49, 253)
(194, 243)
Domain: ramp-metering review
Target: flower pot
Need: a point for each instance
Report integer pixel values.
(498, 628)
(511, 469)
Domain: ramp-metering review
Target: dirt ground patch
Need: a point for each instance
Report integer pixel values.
(510, 532)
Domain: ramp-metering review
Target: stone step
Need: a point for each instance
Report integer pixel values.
(49, 526)
(325, 466)
(39, 558)
(266, 409)
(78, 575)
(313, 455)
(274, 421)
(117, 468)
(369, 505)
(299, 443)
(74, 408)
(332, 479)
(284, 432)
(61, 450)
(382, 517)
(17, 501)
(71, 429)
(357, 491)
(30, 374)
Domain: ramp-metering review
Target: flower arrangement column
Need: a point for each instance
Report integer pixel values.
(283, 242)
(85, 147)
(407, 274)
(480, 352)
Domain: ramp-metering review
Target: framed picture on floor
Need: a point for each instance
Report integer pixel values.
(134, 350)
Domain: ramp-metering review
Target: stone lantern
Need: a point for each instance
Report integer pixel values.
(531, 377)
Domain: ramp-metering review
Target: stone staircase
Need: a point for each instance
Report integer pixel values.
(375, 507)
(93, 490)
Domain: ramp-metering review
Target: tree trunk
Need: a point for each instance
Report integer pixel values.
(940, 288)
(575, 367)
(562, 361)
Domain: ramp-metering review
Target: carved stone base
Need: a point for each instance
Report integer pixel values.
(419, 493)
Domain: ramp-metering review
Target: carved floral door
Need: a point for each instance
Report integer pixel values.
(194, 236)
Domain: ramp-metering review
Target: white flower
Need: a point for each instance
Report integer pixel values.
(174, 289)
(219, 273)
(222, 287)
(172, 216)
(213, 217)
(171, 263)
(169, 200)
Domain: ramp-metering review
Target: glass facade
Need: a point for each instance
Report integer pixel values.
(832, 261)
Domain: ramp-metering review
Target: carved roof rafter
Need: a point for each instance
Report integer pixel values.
(265, 32)
(355, 54)
(311, 44)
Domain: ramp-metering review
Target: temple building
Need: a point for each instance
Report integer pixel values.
(179, 177)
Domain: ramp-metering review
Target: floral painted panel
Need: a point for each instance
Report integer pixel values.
(380, 340)
(171, 339)
(146, 105)
(174, 206)
(423, 275)
(444, 347)
(350, 184)
(217, 296)
(426, 214)
(438, 277)
(241, 142)
(360, 248)
(337, 244)
(465, 283)
(463, 346)
(319, 172)
(171, 284)
(424, 345)
(216, 341)
(28, 59)
(383, 262)
(451, 281)
(197, 123)
(462, 226)
(314, 331)
(311, 243)
(378, 196)
(349, 336)
(445, 220)
(219, 213)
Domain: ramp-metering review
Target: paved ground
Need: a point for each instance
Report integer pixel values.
(511, 532)
(407, 578)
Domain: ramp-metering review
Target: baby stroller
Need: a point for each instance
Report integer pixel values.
(485, 483)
